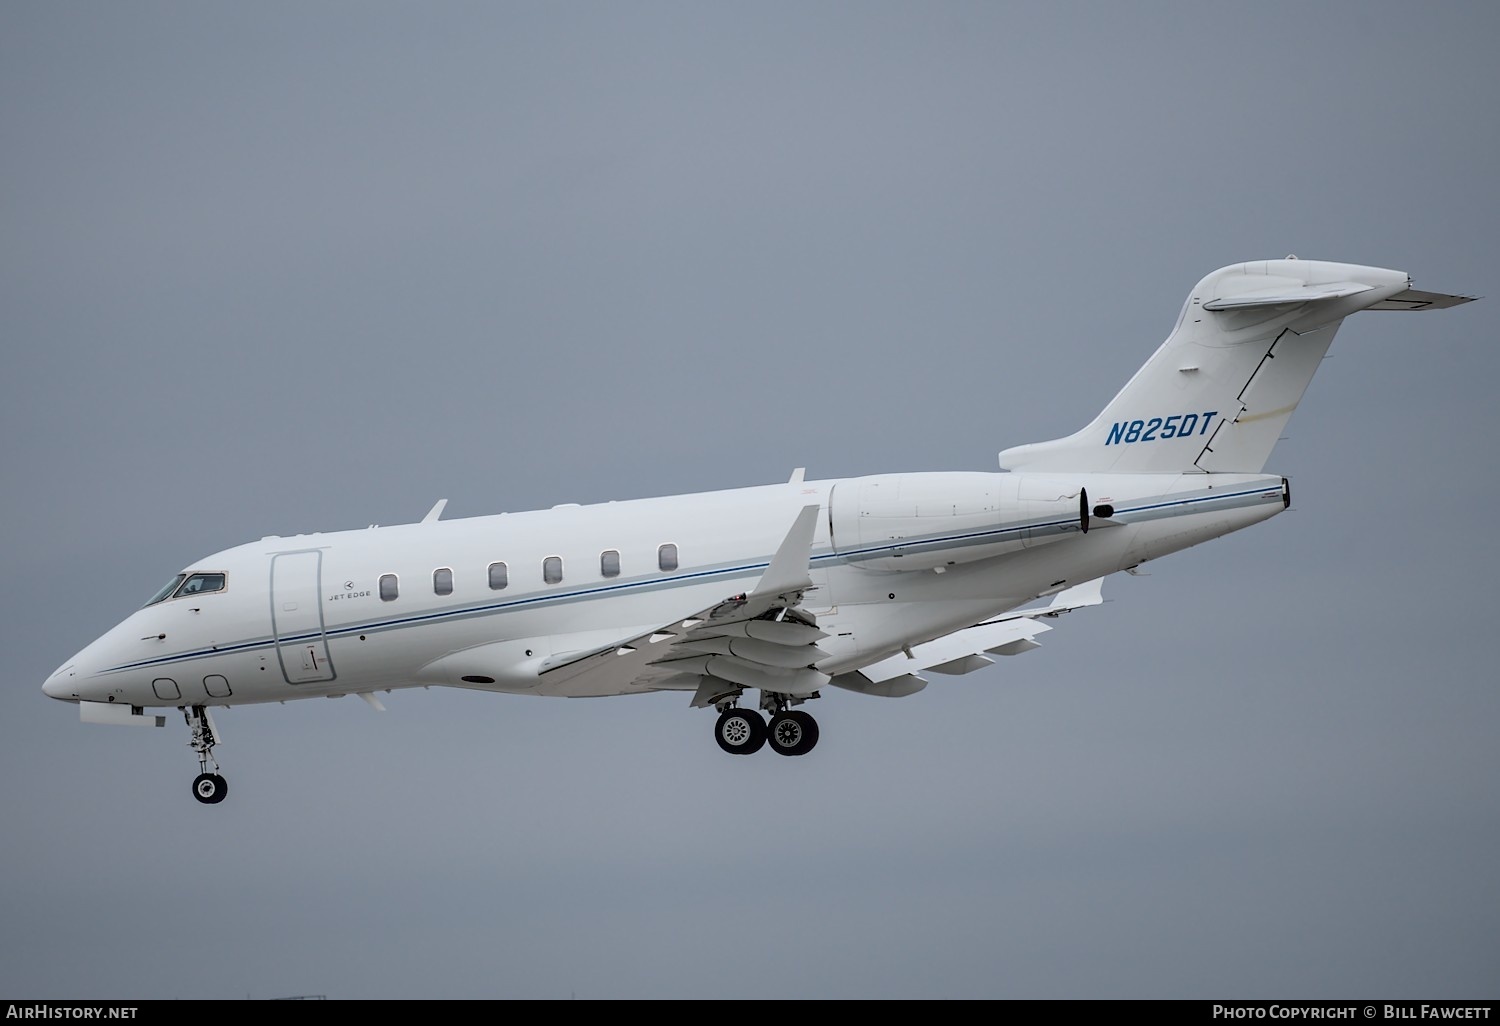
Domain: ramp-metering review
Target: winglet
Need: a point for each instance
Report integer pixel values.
(788, 570)
(435, 512)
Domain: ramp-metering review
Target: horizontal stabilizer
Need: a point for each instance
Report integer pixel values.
(1294, 293)
(1411, 299)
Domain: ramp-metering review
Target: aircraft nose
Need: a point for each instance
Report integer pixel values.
(60, 685)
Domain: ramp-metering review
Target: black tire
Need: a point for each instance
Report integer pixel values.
(740, 731)
(810, 729)
(210, 788)
(793, 733)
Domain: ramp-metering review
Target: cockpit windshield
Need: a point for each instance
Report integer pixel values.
(198, 584)
(171, 586)
(189, 584)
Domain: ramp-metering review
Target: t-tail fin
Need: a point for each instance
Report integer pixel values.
(1218, 392)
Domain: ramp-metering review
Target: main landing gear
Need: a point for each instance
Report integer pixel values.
(210, 788)
(745, 731)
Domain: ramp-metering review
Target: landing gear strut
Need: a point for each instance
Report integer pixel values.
(209, 787)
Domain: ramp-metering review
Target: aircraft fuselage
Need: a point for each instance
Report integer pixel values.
(484, 602)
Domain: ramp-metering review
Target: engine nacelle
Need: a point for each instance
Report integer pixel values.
(923, 521)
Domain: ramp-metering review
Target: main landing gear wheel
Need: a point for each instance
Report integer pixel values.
(740, 731)
(793, 732)
(210, 788)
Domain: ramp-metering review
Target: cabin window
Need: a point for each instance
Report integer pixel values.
(442, 581)
(388, 587)
(666, 557)
(552, 569)
(200, 584)
(609, 563)
(499, 576)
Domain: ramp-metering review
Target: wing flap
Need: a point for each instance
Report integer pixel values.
(753, 650)
(895, 687)
(964, 664)
(970, 649)
(954, 648)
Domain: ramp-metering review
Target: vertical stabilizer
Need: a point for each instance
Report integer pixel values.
(1218, 392)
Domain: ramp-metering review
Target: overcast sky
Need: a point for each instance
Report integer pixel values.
(269, 268)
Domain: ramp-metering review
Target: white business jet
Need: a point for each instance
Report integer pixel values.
(753, 602)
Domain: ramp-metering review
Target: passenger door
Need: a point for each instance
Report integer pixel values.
(297, 617)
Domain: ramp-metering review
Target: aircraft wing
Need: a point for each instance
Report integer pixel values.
(762, 640)
(759, 639)
(969, 649)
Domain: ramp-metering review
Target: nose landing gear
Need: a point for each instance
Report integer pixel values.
(209, 787)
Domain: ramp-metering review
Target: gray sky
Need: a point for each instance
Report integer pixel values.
(282, 267)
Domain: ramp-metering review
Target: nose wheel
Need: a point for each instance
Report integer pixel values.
(210, 788)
